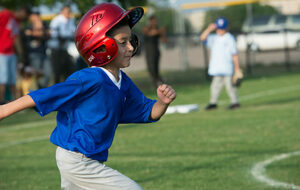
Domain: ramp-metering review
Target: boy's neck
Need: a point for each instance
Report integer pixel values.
(114, 71)
(221, 32)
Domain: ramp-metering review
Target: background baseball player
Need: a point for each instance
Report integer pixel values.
(223, 62)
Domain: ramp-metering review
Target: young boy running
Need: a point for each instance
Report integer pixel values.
(93, 101)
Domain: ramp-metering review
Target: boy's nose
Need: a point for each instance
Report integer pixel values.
(130, 47)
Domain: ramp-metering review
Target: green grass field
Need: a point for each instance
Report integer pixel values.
(213, 150)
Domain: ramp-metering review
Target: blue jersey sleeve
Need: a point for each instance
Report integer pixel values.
(58, 97)
(137, 107)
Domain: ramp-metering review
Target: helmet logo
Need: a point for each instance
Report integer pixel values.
(221, 22)
(96, 18)
(91, 58)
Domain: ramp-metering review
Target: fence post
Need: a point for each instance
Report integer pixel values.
(248, 60)
(206, 62)
(286, 51)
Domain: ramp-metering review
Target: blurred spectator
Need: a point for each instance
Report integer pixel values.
(62, 29)
(80, 63)
(10, 41)
(152, 35)
(37, 34)
(77, 59)
(223, 62)
(26, 80)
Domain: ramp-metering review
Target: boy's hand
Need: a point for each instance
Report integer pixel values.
(237, 77)
(211, 27)
(166, 94)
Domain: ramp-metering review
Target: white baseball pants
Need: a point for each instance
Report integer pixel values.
(216, 87)
(81, 173)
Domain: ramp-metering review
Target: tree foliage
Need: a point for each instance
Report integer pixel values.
(83, 5)
(166, 18)
(131, 3)
(236, 15)
(164, 14)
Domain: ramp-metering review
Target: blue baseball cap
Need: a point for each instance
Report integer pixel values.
(222, 23)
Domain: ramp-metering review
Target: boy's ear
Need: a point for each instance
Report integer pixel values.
(100, 49)
(135, 42)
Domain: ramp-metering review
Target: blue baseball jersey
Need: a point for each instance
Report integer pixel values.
(89, 107)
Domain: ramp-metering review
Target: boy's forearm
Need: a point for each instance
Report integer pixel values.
(236, 62)
(158, 110)
(16, 106)
(211, 27)
(204, 34)
(166, 94)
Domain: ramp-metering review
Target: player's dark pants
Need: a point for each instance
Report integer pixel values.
(62, 64)
(152, 59)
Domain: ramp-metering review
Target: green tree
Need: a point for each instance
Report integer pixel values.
(130, 3)
(83, 5)
(237, 14)
(165, 17)
(165, 14)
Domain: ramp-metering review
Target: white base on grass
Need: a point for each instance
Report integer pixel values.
(182, 108)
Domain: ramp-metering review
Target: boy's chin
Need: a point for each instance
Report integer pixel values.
(126, 65)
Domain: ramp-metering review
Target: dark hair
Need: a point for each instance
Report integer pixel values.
(26, 9)
(35, 12)
(124, 22)
(65, 7)
(152, 17)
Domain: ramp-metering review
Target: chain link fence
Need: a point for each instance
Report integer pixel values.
(188, 52)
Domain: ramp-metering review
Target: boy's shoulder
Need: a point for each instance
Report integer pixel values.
(6, 14)
(88, 74)
(229, 36)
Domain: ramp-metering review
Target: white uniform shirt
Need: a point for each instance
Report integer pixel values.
(222, 48)
(60, 26)
(112, 78)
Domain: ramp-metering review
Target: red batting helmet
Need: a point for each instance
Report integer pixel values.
(91, 32)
